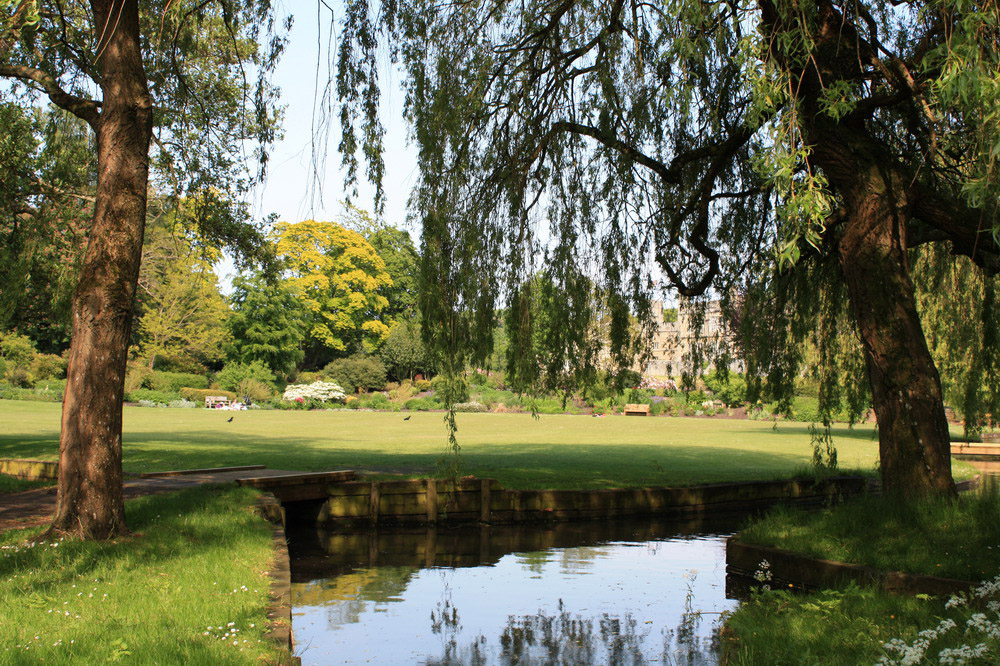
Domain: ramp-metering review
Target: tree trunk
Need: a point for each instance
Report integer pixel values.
(90, 501)
(914, 444)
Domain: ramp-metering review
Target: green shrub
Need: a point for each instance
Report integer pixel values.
(49, 366)
(14, 393)
(422, 384)
(366, 373)
(254, 389)
(376, 401)
(159, 380)
(232, 374)
(19, 376)
(732, 390)
(199, 395)
(456, 389)
(493, 397)
(149, 395)
(477, 378)
(17, 350)
(309, 378)
(403, 392)
(420, 405)
(137, 377)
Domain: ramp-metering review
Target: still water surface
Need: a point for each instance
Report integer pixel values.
(625, 592)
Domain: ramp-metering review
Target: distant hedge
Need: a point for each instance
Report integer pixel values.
(199, 394)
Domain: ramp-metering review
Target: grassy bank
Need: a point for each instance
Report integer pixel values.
(857, 626)
(959, 539)
(553, 451)
(176, 592)
(933, 537)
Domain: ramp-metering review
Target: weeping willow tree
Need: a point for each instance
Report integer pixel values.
(787, 154)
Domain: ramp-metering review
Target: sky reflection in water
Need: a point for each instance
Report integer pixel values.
(582, 593)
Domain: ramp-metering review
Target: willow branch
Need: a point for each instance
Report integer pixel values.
(81, 107)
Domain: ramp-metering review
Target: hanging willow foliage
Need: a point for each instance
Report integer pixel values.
(783, 155)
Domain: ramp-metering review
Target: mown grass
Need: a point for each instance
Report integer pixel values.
(934, 536)
(557, 451)
(12, 484)
(172, 593)
(959, 539)
(553, 451)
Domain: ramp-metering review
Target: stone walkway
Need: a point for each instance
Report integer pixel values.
(35, 507)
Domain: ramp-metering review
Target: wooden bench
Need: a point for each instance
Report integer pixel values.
(636, 410)
(213, 401)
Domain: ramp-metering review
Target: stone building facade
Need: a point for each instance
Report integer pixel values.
(676, 337)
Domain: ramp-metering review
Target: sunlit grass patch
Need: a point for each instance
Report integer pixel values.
(189, 587)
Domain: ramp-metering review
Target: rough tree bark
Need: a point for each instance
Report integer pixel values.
(914, 443)
(90, 503)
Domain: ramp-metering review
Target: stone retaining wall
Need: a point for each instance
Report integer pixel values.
(279, 612)
(484, 500)
(32, 470)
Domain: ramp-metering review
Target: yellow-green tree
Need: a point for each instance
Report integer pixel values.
(182, 315)
(340, 279)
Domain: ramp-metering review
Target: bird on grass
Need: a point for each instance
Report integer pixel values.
(229, 420)
(407, 418)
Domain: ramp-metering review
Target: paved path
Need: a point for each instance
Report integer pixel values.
(35, 507)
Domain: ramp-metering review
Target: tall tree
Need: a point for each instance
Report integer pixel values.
(339, 279)
(178, 66)
(402, 262)
(46, 200)
(724, 140)
(181, 313)
(268, 324)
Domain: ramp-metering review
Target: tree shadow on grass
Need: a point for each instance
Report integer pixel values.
(862, 432)
(516, 465)
(557, 463)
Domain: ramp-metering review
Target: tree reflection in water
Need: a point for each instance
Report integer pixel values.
(571, 640)
(562, 594)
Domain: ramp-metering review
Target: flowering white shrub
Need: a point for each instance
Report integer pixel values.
(322, 391)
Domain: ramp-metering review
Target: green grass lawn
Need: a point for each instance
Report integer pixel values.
(189, 587)
(553, 451)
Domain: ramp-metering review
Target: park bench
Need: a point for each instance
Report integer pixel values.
(636, 410)
(216, 401)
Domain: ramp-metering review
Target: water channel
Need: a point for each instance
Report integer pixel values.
(646, 591)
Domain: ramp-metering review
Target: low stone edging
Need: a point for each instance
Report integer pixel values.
(468, 500)
(279, 612)
(786, 568)
(30, 470)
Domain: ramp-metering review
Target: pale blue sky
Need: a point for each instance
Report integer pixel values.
(294, 189)
(291, 190)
